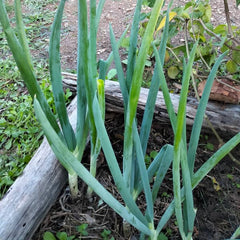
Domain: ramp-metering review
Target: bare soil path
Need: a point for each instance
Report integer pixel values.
(119, 14)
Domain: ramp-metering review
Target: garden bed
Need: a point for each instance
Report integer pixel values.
(216, 202)
(31, 196)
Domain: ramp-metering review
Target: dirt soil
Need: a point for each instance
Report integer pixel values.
(119, 14)
(217, 203)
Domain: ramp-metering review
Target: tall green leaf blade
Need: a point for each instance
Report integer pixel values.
(154, 167)
(82, 77)
(24, 68)
(113, 164)
(188, 206)
(110, 57)
(236, 233)
(120, 73)
(92, 51)
(166, 161)
(193, 143)
(180, 147)
(176, 190)
(215, 159)
(124, 90)
(135, 91)
(133, 44)
(143, 173)
(165, 90)
(140, 62)
(95, 151)
(21, 32)
(88, 60)
(103, 67)
(153, 90)
(56, 79)
(183, 98)
(99, 11)
(69, 161)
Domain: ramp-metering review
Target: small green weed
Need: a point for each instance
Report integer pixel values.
(192, 21)
(150, 157)
(165, 194)
(206, 143)
(82, 229)
(234, 183)
(162, 236)
(59, 236)
(106, 235)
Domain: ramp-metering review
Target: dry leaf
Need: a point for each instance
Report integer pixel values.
(225, 91)
(216, 185)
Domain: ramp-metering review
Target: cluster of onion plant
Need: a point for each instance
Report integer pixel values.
(68, 146)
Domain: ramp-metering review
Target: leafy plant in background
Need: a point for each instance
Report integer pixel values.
(135, 177)
(193, 22)
(59, 236)
(105, 234)
(81, 232)
(194, 19)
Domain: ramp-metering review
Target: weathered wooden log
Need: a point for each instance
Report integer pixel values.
(224, 117)
(29, 199)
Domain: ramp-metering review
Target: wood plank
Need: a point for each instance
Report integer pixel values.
(224, 117)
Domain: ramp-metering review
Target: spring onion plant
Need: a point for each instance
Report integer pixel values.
(134, 178)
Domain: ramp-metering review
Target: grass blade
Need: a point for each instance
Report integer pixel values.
(56, 79)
